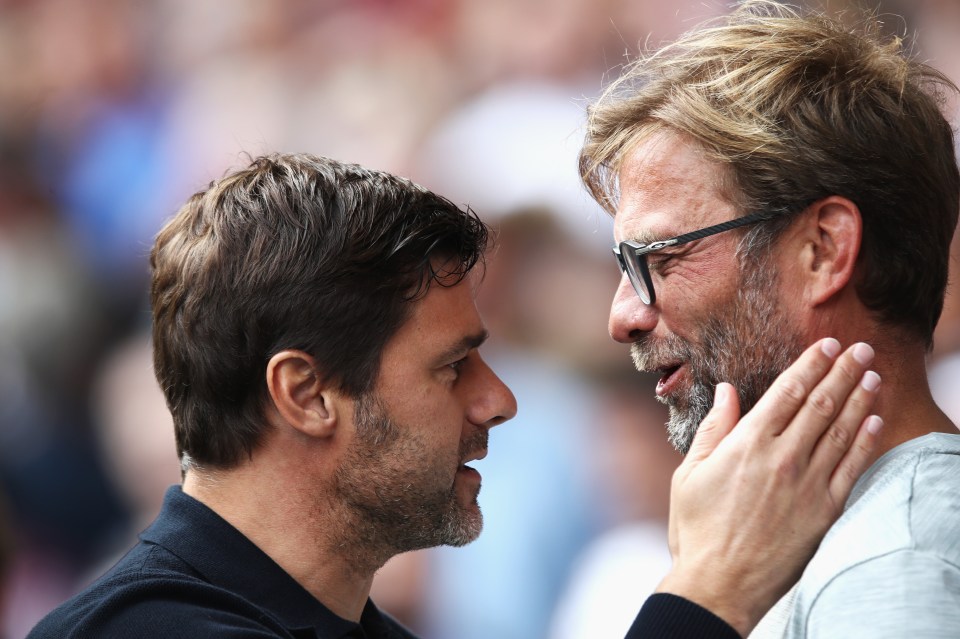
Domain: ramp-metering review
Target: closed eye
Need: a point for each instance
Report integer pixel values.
(658, 261)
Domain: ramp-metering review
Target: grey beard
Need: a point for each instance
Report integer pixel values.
(682, 426)
(747, 342)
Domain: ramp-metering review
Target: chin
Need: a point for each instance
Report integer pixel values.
(466, 529)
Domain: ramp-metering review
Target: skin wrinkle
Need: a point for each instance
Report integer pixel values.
(747, 342)
(655, 141)
(811, 111)
(719, 308)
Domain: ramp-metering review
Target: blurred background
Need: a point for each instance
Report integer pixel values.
(112, 112)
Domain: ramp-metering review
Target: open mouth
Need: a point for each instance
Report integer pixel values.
(668, 379)
(468, 471)
(471, 458)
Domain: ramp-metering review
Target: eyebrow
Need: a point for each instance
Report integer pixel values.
(464, 345)
(647, 237)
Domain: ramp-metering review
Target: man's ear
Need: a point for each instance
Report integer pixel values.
(301, 395)
(832, 236)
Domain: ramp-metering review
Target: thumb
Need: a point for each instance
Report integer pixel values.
(717, 424)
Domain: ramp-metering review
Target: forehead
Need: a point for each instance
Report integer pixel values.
(442, 317)
(668, 187)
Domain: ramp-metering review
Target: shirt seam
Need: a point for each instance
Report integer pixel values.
(904, 549)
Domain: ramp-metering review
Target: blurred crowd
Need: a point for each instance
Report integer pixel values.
(112, 112)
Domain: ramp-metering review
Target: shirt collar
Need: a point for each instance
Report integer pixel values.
(901, 454)
(226, 558)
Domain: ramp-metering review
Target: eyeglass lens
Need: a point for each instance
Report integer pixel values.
(636, 269)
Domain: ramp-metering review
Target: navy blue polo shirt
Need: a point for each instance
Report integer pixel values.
(194, 575)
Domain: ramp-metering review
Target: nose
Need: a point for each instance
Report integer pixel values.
(494, 402)
(630, 318)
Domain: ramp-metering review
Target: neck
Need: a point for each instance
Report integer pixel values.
(305, 534)
(904, 402)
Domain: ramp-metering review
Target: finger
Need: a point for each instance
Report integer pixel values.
(786, 396)
(856, 461)
(840, 435)
(836, 406)
(717, 424)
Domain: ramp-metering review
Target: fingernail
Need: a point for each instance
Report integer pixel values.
(830, 347)
(874, 424)
(863, 353)
(870, 381)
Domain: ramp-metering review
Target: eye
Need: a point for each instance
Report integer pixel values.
(457, 365)
(658, 261)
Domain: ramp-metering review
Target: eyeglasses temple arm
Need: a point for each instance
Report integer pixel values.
(723, 226)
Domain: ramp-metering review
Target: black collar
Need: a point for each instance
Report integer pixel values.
(225, 558)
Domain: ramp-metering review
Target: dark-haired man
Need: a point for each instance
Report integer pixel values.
(776, 178)
(316, 338)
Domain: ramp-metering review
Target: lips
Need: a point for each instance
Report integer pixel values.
(473, 457)
(469, 471)
(669, 378)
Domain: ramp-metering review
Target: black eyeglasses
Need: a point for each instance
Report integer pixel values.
(632, 256)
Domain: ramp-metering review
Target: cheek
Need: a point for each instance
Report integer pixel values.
(685, 307)
(437, 417)
(709, 273)
(697, 291)
(430, 408)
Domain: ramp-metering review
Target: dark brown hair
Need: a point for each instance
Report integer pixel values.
(292, 252)
(798, 108)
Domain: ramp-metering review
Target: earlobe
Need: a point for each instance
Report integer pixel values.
(835, 234)
(300, 395)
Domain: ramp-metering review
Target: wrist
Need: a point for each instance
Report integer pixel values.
(705, 590)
